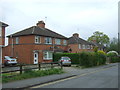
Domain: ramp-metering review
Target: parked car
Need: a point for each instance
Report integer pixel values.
(65, 61)
(9, 61)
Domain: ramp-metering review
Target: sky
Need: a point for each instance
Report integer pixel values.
(62, 16)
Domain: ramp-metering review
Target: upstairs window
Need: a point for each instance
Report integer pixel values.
(64, 42)
(88, 46)
(57, 41)
(37, 39)
(80, 47)
(83, 46)
(17, 40)
(48, 40)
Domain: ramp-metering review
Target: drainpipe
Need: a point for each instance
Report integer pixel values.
(12, 46)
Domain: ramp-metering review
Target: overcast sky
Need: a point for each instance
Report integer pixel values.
(62, 16)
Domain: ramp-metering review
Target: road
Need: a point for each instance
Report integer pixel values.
(102, 78)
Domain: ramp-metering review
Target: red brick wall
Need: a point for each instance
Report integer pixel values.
(75, 48)
(24, 50)
(2, 38)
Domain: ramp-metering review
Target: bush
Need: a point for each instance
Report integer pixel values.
(86, 59)
(73, 56)
(113, 56)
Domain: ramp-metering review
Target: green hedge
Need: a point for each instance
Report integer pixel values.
(87, 59)
(73, 56)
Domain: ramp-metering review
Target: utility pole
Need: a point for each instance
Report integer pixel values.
(118, 42)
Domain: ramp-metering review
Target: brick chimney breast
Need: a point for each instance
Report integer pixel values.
(41, 24)
(76, 35)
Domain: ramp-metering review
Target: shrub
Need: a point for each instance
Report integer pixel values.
(112, 55)
(86, 59)
(73, 56)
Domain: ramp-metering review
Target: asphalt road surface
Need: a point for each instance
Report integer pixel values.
(102, 78)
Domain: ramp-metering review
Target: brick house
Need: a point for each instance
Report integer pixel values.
(35, 44)
(77, 44)
(2, 37)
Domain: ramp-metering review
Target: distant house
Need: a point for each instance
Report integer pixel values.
(77, 44)
(100, 47)
(2, 37)
(35, 44)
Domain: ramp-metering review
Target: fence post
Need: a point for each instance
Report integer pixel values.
(20, 68)
(61, 65)
(51, 65)
(39, 65)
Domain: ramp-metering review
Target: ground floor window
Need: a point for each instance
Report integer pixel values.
(48, 55)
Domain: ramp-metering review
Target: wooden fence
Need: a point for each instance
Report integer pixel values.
(40, 66)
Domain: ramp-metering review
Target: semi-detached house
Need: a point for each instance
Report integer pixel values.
(35, 44)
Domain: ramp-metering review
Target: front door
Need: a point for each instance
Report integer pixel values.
(36, 58)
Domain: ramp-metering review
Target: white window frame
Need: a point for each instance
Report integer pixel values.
(58, 41)
(64, 42)
(49, 40)
(80, 46)
(88, 46)
(47, 57)
(37, 39)
(17, 40)
(83, 46)
(91, 46)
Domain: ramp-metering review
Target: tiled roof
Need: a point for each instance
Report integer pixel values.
(77, 40)
(35, 30)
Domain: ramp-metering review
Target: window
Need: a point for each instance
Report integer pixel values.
(48, 40)
(64, 42)
(57, 41)
(17, 40)
(88, 46)
(48, 55)
(79, 46)
(91, 47)
(37, 39)
(83, 46)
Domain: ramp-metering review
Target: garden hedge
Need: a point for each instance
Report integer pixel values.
(87, 59)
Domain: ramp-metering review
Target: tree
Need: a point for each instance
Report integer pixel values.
(113, 46)
(99, 37)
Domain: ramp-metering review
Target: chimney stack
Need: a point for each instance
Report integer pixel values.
(41, 24)
(76, 35)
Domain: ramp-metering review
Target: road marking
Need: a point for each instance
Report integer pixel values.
(46, 84)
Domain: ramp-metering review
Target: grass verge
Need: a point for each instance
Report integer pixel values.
(32, 74)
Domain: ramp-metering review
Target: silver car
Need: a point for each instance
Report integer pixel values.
(9, 61)
(65, 61)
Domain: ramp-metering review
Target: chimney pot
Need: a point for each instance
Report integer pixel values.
(41, 24)
(76, 35)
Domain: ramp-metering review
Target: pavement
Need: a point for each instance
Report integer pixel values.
(70, 72)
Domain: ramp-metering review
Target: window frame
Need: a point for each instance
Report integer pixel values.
(48, 38)
(37, 39)
(80, 46)
(64, 42)
(83, 46)
(49, 57)
(58, 41)
(16, 40)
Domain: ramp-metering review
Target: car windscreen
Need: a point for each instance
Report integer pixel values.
(65, 58)
(7, 57)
